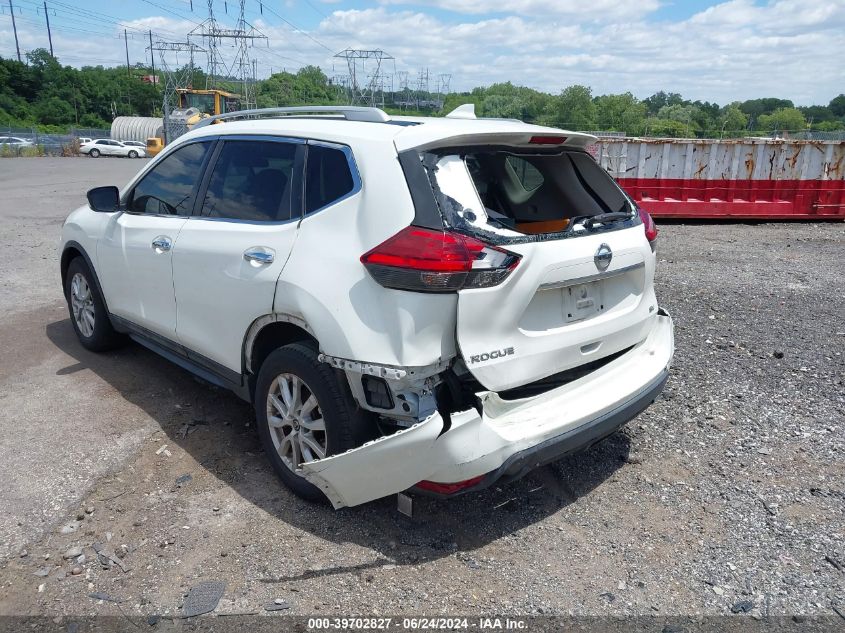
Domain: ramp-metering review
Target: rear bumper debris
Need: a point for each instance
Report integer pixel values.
(510, 438)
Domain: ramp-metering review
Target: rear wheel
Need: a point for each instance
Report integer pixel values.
(133, 154)
(304, 414)
(94, 153)
(88, 313)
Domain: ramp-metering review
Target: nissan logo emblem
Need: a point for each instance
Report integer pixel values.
(602, 257)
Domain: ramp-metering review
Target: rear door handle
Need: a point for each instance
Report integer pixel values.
(162, 243)
(260, 255)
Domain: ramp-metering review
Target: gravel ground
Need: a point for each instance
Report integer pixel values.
(727, 495)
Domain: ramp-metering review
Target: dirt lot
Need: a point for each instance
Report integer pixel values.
(727, 495)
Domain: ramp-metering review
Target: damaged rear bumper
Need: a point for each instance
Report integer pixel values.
(509, 438)
(572, 441)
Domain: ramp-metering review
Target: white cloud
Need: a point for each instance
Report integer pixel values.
(737, 49)
(576, 9)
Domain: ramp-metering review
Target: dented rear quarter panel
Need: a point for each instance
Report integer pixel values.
(325, 284)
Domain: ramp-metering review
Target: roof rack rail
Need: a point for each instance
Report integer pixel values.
(350, 113)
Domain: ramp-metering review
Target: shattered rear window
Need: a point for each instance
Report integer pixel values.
(510, 193)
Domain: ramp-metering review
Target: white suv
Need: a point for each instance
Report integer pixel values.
(432, 304)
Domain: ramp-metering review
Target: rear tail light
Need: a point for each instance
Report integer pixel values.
(649, 226)
(427, 260)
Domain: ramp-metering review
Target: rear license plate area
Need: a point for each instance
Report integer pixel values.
(582, 301)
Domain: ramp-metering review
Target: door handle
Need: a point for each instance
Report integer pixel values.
(162, 243)
(260, 255)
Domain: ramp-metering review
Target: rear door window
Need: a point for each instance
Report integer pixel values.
(328, 176)
(254, 181)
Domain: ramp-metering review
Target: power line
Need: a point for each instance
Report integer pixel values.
(76, 16)
(320, 11)
(297, 29)
(170, 11)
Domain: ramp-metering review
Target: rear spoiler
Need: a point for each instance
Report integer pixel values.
(520, 135)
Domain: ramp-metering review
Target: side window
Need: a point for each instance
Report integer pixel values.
(528, 176)
(327, 177)
(252, 180)
(168, 189)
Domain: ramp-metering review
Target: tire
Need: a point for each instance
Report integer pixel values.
(133, 153)
(94, 153)
(346, 426)
(87, 311)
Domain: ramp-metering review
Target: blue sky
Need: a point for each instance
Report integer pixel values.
(719, 51)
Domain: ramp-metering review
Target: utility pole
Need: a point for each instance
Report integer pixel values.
(126, 43)
(49, 34)
(152, 58)
(15, 29)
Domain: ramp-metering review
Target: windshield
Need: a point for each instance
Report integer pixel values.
(203, 103)
(515, 193)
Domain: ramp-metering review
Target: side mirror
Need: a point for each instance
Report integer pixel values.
(104, 199)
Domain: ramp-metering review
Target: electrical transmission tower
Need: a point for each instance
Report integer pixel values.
(366, 76)
(242, 68)
(402, 97)
(340, 84)
(175, 76)
(423, 95)
(443, 81)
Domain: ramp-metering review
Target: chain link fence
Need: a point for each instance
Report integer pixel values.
(47, 144)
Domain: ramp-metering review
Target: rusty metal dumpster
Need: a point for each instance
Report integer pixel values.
(742, 179)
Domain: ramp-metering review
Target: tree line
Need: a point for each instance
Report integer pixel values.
(42, 93)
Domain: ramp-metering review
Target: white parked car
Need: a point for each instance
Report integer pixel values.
(14, 141)
(433, 304)
(107, 147)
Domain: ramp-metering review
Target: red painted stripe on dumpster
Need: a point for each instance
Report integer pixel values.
(739, 199)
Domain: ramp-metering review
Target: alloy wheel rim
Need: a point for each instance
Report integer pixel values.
(82, 304)
(296, 422)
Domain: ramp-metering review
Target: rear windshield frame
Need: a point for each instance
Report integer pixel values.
(420, 167)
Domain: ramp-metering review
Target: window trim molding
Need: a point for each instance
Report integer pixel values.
(357, 184)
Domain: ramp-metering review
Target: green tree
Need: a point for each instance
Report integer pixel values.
(781, 120)
(661, 99)
(732, 119)
(684, 115)
(817, 113)
(668, 128)
(611, 108)
(53, 111)
(502, 106)
(837, 106)
(755, 108)
(574, 108)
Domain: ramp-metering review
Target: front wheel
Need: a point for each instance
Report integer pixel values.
(88, 313)
(304, 414)
(133, 154)
(94, 153)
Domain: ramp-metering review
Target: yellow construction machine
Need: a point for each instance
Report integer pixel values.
(194, 106)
